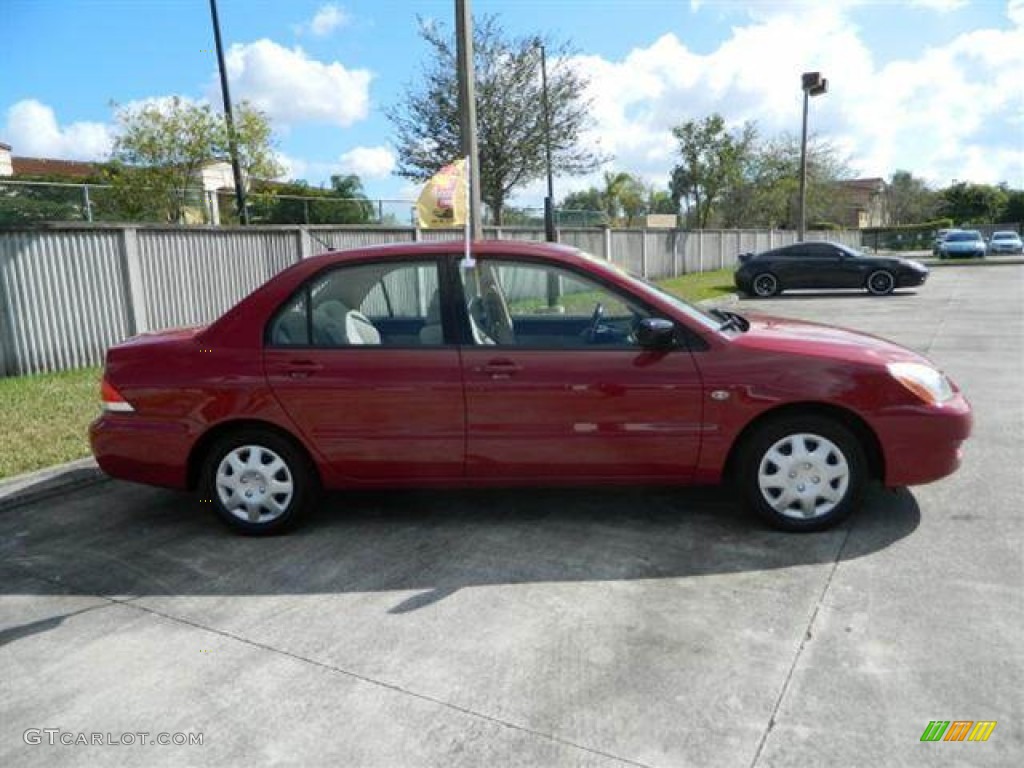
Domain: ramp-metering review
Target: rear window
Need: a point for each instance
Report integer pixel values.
(963, 237)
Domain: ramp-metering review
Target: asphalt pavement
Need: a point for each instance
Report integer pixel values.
(634, 627)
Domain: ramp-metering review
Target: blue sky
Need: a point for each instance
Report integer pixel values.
(931, 86)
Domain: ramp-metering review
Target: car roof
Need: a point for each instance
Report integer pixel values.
(484, 248)
(790, 246)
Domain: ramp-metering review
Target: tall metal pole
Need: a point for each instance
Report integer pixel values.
(803, 175)
(243, 213)
(549, 201)
(467, 110)
(812, 84)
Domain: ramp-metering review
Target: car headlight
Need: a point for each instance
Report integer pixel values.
(930, 385)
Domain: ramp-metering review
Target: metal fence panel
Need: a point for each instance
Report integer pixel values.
(192, 276)
(627, 249)
(343, 239)
(441, 235)
(515, 233)
(66, 294)
(587, 240)
(661, 253)
(62, 299)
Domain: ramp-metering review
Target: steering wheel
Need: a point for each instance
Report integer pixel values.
(595, 323)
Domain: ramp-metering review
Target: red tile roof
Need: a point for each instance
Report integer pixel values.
(42, 166)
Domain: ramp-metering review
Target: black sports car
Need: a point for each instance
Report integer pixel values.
(824, 265)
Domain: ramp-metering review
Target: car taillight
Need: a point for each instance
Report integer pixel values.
(112, 399)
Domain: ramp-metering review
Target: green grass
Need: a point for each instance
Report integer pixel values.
(45, 419)
(697, 287)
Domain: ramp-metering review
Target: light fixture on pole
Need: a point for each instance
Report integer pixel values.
(813, 84)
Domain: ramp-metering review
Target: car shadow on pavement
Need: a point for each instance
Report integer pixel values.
(118, 539)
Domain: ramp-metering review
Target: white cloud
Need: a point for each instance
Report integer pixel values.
(327, 19)
(32, 130)
(291, 167)
(291, 87)
(942, 6)
(956, 110)
(368, 162)
(1015, 12)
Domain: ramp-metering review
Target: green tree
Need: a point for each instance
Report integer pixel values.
(767, 193)
(1013, 210)
(344, 202)
(510, 122)
(589, 199)
(973, 204)
(660, 201)
(161, 147)
(255, 143)
(712, 161)
(53, 199)
(583, 208)
(910, 200)
(624, 196)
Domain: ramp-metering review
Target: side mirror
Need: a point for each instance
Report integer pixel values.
(656, 333)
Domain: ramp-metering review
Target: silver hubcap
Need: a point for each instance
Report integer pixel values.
(254, 484)
(764, 285)
(803, 476)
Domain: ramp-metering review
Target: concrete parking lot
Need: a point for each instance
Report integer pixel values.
(643, 627)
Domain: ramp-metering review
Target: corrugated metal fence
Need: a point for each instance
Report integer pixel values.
(68, 293)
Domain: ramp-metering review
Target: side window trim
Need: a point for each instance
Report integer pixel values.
(626, 297)
(304, 291)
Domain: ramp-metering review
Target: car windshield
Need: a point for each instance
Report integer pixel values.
(1004, 236)
(644, 286)
(963, 237)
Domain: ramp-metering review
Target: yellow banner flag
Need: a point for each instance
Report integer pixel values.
(443, 202)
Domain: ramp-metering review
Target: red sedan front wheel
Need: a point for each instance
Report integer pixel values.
(802, 473)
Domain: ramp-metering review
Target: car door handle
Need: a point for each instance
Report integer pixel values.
(499, 369)
(299, 369)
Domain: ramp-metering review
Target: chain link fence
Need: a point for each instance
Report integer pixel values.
(27, 202)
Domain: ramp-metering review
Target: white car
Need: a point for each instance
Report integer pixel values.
(1005, 242)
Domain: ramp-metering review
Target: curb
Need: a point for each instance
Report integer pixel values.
(972, 263)
(45, 483)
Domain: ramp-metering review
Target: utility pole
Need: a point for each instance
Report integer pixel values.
(243, 212)
(550, 231)
(813, 84)
(467, 110)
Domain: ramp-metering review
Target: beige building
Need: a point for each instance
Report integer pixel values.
(864, 203)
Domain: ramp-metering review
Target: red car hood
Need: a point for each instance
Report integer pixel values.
(777, 334)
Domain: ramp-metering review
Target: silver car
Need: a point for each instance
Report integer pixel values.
(1005, 242)
(962, 243)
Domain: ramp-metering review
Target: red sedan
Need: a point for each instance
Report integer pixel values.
(536, 364)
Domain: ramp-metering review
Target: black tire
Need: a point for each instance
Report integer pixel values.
(821, 491)
(765, 285)
(881, 282)
(261, 458)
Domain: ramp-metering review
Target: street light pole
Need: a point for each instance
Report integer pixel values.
(813, 84)
(243, 213)
(550, 231)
